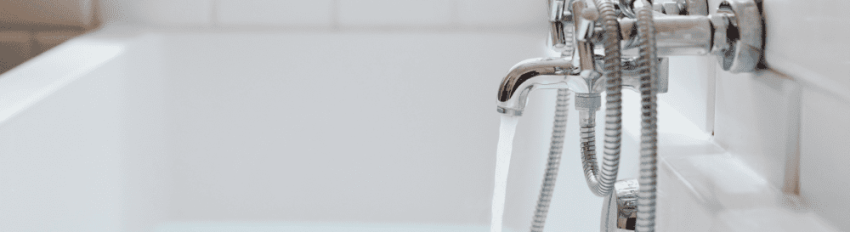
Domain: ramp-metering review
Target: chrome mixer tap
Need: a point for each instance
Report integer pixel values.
(608, 45)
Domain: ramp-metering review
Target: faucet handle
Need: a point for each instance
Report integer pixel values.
(566, 17)
(560, 31)
(556, 10)
(584, 18)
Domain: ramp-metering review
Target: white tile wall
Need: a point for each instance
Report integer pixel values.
(825, 153)
(382, 13)
(791, 121)
(502, 13)
(341, 14)
(809, 37)
(314, 13)
(174, 12)
(691, 89)
(758, 120)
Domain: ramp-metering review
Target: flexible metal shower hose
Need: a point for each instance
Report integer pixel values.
(647, 61)
(556, 147)
(601, 183)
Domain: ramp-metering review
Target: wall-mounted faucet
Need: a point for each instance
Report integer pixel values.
(735, 38)
(633, 40)
(733, 34)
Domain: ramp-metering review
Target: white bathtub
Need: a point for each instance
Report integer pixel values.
(134, 129)
(130, 129)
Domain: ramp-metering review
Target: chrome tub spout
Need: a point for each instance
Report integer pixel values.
(528, 75)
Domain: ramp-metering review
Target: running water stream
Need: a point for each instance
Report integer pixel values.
(507, 129)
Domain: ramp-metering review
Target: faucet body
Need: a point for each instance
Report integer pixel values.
(553, 73)
(734, 34)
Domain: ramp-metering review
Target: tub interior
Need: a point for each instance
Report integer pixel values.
(270, 131)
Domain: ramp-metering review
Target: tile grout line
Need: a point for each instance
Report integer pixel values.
(335, 24)
(809, 78)
(455, 15)
(214, 20)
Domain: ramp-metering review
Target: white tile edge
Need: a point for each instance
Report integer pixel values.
(709, 200)
(26, 90)
(808, 77)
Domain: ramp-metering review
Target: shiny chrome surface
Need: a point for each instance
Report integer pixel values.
(543, 73)
(558, 15)
(681, 7)
(557, 19)
(733, 34)
(546, 73)
(683, 35)
(631, 74)
(659, 29)
(627, 8)
(600, 179)
(561, 27)
(746, 46)
(584, 20)
(529, 75)
(676, 35)
(619, 210)
(671, 8)
(556, 148)
(720, 44)
(556, 10)
(694, 7)
(648, 180)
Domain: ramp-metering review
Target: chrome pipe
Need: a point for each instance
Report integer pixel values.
(675, 35)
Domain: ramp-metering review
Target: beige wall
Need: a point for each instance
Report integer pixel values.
(31, 27)
(63, 13)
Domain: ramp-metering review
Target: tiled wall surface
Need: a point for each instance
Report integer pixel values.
(316, 13)
(170, 12)
(790, 122)
(824, 146)
(331, 14)
(34, 26)
(691, 89)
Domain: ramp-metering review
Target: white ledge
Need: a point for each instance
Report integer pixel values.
(704, 188)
